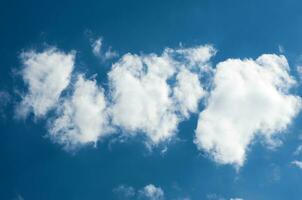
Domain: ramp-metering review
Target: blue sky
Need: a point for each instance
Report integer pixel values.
(150, 100)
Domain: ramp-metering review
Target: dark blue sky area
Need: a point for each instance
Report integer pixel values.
(37, 169)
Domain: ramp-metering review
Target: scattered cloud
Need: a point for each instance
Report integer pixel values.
(96, 46)
(124, 192)
(249, 97)
(99, 51)
(298, 150)
(151, 94)
(214, 196)
(218, 197)
(299, 71)
(46, 74)
(297, 163)
(281, 49)
(149, 192)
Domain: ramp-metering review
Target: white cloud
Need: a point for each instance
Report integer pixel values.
(196, 55)
(46, 75)
(249, 97)
(142, 96)
(97, 50)
(144, 101)
(236, 199)
(82, 117)
(297, 163)
(151, 192)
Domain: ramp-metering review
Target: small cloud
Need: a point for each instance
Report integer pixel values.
(299, 71)
(219, 197)
(214, 196)
(96, 46)
(99, 51)
(151, 192)
(124, 192)
(110, 54)
(298, 150)
(297, 163)
(18, 197)
(281, 49)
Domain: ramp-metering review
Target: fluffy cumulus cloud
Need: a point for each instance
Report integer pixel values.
(148, 94)
(81, 118)
(249, 97)
(46, 74)
(153, 93)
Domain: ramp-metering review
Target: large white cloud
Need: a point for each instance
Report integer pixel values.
(148, 94)
(82, 117)
(249, 97)
(46, 74)
(152, 93)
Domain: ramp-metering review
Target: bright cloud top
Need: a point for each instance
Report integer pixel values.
(249, 97)
(46, 75)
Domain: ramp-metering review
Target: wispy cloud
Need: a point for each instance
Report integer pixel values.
(99, 51)
(297, 163)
